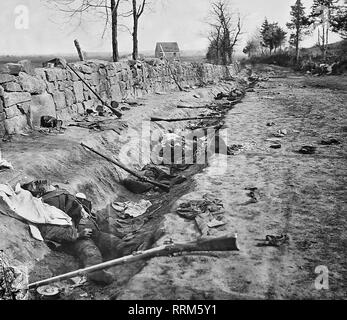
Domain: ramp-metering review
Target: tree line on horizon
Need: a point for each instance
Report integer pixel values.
(325, 16)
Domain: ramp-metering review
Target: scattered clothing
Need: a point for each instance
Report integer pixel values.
(276, 241)
(307, 150)
(329, 142)
(136, 186)
(50, 122)
(276, 146)
(132, 209)
(252, 195)
(21, 204)
(207, 213)
(233, 149)
(280, 133)
(35, 233)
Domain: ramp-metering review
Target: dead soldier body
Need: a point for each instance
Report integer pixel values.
(83, 239)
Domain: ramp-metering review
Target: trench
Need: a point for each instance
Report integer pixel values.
(93, 180)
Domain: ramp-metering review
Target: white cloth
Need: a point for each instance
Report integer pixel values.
(131, 208)
(21, 204)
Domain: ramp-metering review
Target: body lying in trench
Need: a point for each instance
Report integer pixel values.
(83, 238)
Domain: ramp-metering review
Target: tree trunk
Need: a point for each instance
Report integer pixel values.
(135, 29)
(114, 13)
(297, 40)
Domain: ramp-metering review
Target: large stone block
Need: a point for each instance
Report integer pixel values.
(6, 78)
(60, 74)
(51, 87)
(116, 93)
(12, 98)
(95, 79)
(31, 84)
(59, 100)
(27, 67)
(12, 112)
(65, 114)
(11, 68)
(88, 104)
(41, 105)
(83, 68)
(2, 128)
(51, 74)
(70, 97)
(78, 89)
(40, 72)
(12, 87)
(16, 125)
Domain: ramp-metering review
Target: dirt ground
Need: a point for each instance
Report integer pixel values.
(303, 196)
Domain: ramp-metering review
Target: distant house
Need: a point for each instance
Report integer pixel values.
(169, 49)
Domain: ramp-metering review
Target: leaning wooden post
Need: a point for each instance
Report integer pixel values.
(79, 51)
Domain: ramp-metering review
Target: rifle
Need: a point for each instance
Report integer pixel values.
(184, 119)
(64, 64)
(163, 186)
(212, 244)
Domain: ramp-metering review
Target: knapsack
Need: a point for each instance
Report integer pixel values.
(66, 202)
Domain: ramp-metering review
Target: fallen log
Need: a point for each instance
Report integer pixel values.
(201, 245)
(184, 119)
(162, 186)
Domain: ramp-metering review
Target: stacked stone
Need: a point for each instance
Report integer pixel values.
(27, 94)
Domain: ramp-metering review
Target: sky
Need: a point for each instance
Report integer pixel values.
(35, 27)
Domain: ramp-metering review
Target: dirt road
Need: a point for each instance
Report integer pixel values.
(303, 196)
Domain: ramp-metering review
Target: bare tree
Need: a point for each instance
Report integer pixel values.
(224, 34)
(137, 11)
(107, 10)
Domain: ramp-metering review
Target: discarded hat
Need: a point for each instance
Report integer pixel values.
(81, 195)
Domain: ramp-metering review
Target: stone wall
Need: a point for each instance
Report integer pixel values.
(26, 94)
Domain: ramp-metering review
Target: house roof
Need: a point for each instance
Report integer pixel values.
(168, 46)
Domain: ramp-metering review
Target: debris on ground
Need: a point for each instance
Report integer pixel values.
(270, 124)
(276, 146)
(233, 149)
(207, 213)
(13, 282)
(98, 122)
(233, 95)
(276, 241)
(252, 194)
(280, 133)
(330, 141)
(136, 186)
(50, 122)
(5, 165)
(307, 150)
(131, 209)
(48, 292)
